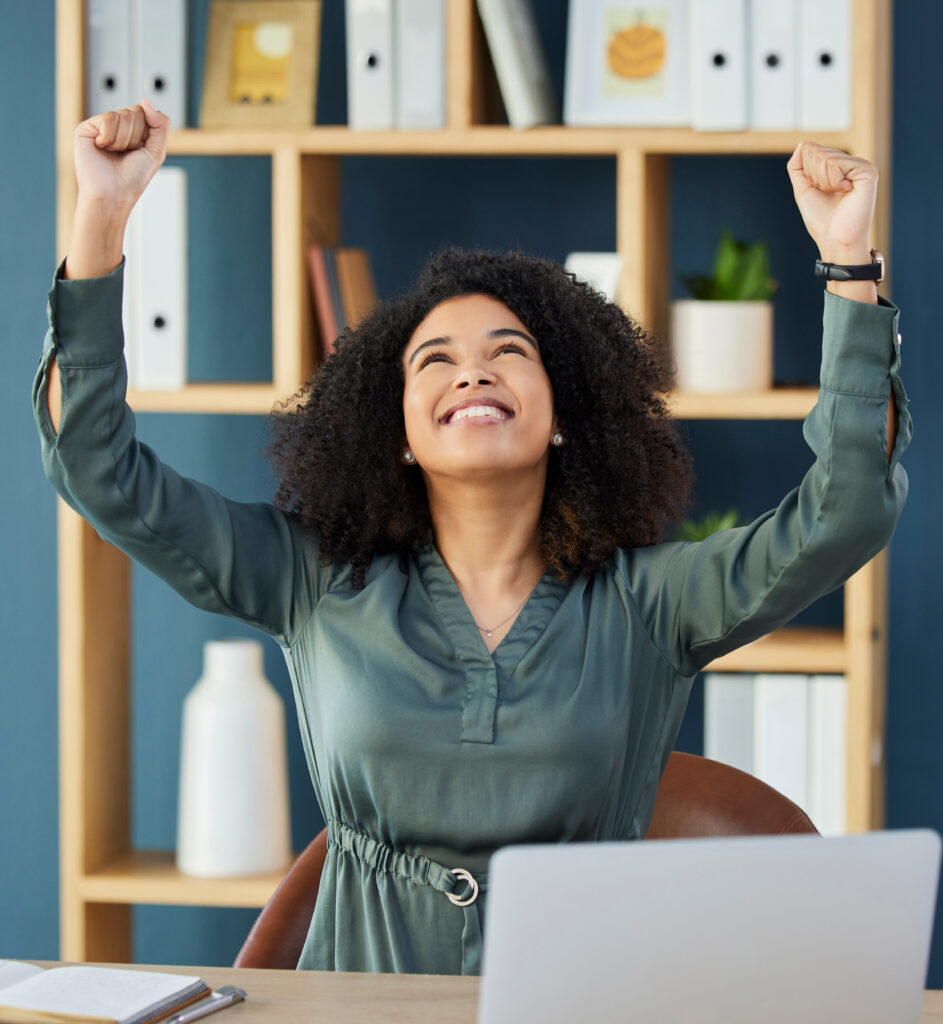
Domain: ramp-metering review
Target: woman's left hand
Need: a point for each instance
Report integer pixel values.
(835, 193)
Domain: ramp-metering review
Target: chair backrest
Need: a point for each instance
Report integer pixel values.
(696, 797)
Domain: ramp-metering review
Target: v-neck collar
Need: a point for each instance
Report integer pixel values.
(457, 620)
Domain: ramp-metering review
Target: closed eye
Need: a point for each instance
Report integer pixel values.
(435, 356)
(511, 347)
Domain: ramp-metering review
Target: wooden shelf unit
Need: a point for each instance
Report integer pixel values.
(101, 876)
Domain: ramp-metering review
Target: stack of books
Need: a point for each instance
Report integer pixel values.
(343, 290)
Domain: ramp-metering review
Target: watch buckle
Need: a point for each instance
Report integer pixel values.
(878, 257)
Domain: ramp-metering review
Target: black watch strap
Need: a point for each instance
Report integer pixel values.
(873, 271)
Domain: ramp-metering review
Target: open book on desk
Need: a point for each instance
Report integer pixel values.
(91, 995)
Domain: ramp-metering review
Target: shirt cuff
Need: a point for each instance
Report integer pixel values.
(85, 318)
(861, 346)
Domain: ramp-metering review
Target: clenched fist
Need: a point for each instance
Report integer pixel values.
(117, 153)
(835, 193)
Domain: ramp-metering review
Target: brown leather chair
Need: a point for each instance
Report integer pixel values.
(696, 797)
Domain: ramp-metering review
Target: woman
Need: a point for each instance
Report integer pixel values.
(486, 643)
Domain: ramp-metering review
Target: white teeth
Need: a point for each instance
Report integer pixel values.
(477, 411)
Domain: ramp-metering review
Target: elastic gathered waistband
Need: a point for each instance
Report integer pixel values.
(413, 867)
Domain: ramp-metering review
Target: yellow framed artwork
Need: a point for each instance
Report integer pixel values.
(627, 63)
(261, 64)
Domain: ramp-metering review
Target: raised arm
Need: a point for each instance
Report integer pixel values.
(702, 600)
(248, 561)
(116, 155)
(835, 193)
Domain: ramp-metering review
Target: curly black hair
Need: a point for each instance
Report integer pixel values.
(621, 477)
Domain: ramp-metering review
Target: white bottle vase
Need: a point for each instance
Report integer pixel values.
(233, 816)
(722, 347)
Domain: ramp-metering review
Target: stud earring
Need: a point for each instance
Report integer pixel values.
(408, 457)
(557, 440)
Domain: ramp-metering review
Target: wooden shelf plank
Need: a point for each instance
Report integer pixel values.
(209, 398)
(778, 404)
(490, 140)
(806, 650)
(151, 876)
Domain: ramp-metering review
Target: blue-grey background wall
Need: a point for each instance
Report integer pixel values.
(401, 209)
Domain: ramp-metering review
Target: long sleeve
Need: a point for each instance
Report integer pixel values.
(248, 561)
(702, 600)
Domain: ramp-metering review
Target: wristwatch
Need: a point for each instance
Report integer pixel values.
(873, 271)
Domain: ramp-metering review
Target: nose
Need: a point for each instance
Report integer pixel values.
(471, 376)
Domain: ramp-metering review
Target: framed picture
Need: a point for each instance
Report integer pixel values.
(627, 64)
(261, 63)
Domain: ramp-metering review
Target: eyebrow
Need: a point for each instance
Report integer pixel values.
(500, 332)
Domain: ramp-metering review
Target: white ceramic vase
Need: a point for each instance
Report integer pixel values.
(722, 347)
(233, 816)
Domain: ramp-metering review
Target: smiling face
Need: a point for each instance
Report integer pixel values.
(477, 399)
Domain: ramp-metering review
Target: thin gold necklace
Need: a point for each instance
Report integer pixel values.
(488, 632)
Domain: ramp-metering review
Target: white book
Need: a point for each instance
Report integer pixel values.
(728, 719)
(718, 65)
(108, 78)
(419, 64)
(159, 56)
(773, 65)
(825, 65)
(781, 734)
(519, 62)
(155, 309)
(370, 57)
(87, 995)
(602, 270)
(828, 724)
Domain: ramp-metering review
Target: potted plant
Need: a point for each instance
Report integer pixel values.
(723, 337)
(701, 529)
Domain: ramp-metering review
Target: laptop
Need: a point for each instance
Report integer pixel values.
(770, 929)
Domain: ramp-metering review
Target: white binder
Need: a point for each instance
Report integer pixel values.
(419, 65)
(828, 724)
(108, 79)
(728, 719)
(155, 309)
(159, 56)
(136, 48)
(519, 62)
(718, 65)
(773, 65)
(781, 734)
(825, 65)
(370, 79)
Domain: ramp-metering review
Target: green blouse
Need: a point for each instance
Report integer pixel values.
(426, 752)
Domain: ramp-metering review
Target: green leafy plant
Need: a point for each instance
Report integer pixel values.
(700, 529)
(741, 273)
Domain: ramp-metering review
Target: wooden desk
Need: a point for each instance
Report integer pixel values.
(299, 997)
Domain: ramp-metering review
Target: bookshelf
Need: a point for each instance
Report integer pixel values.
(101, 876)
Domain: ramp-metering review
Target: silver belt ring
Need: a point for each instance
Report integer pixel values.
(470, 878)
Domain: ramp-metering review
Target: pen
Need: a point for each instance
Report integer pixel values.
(224, 997)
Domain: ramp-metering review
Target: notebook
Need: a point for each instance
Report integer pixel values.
(91, 995)
(711, 931)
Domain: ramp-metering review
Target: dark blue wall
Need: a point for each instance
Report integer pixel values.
(403, 208)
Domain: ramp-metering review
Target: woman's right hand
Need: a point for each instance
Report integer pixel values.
(116, 155)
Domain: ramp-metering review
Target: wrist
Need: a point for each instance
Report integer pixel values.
(97, 242)
(846, 255)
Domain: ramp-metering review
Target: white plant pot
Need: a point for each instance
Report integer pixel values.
(722, 347)
(233, 815)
